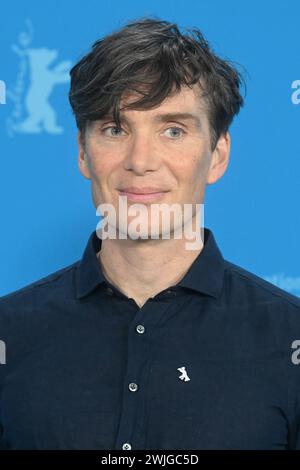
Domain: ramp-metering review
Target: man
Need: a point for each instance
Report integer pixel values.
(144, 343)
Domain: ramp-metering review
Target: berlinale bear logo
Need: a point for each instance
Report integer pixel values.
(33, 113)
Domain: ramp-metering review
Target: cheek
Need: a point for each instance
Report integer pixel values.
(100, 159)
(194, 171)
(101, 166)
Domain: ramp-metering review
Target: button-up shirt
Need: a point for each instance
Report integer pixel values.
(208, 363)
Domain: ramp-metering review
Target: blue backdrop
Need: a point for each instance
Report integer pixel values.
(46, 207)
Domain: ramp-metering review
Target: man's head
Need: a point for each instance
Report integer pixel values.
(126, 83)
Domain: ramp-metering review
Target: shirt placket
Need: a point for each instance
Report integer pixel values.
(142, 327)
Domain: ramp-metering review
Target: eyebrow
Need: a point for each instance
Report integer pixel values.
(164, 117)
(178, 116)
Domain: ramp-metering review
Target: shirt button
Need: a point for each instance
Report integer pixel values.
(109, 291)
(170, 291)
(140, 329)
(126, 446)
(133, 387)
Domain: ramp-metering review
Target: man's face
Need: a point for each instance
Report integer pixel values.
(154, 150)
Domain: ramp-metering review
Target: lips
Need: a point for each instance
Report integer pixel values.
(145, 190)
(146, 194)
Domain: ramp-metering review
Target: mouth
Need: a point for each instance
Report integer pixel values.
(143, 195)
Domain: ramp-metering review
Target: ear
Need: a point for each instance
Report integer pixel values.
(220, 159)
(82, 157)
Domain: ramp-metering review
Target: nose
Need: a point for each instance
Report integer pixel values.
(141, 155)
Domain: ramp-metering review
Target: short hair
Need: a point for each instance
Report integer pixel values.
(153, 58)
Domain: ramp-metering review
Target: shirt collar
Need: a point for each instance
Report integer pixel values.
(205, 275)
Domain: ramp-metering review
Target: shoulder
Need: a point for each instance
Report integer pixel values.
(260, 297)
(56, 285)
(259, 287)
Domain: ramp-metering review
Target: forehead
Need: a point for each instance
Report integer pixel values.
(186, 100)
(186, 105)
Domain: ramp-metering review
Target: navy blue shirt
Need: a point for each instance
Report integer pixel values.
(204, 364)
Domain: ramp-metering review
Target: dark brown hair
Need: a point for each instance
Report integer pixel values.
(153, 58)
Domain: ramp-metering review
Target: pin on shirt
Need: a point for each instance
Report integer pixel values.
(183, 375)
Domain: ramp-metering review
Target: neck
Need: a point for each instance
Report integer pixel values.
(142, 268)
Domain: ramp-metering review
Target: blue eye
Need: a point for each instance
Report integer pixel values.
(119, 130)
(111, 127)
(177, 129)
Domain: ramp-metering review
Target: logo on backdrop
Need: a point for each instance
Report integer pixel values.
(2, 92)
(295, 97)
(37, 78)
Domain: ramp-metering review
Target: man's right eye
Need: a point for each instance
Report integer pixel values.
(111, 127)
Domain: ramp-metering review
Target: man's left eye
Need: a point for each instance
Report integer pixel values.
(176, 129)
